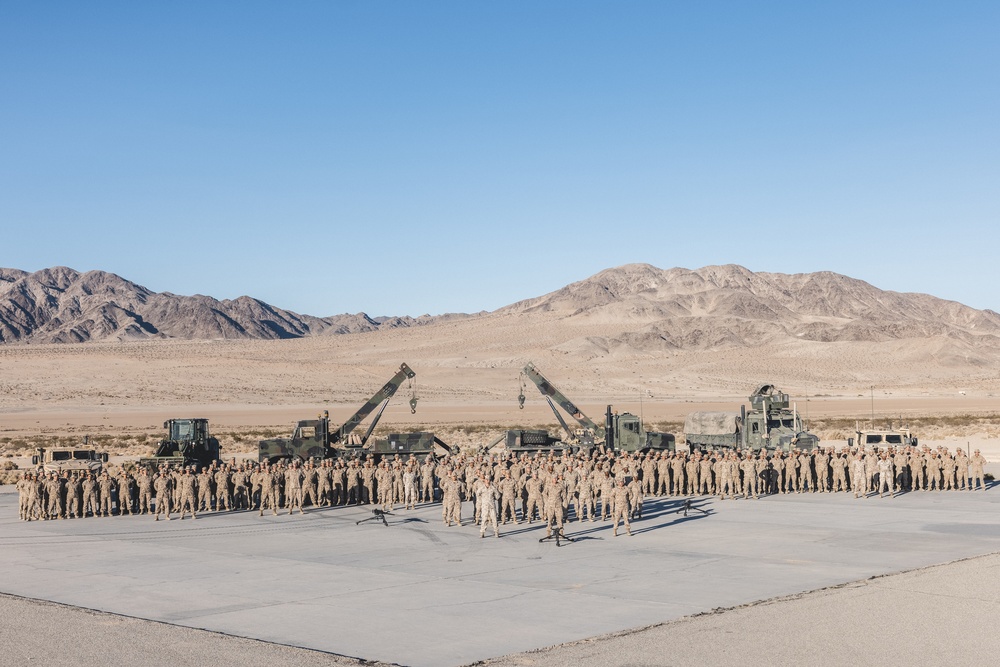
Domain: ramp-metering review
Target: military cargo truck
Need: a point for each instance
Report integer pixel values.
(188, 443)
(317, 439)
(72, 459)
(769, 424)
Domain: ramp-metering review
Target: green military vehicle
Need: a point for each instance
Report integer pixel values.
(317, 439)
(188, 443)
(71, 459)
(769, 424)
(621, 432)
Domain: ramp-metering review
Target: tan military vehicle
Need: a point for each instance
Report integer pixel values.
(59, 459)
(869, 437)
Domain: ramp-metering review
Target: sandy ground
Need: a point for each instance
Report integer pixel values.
(468, 380)
(888, 620)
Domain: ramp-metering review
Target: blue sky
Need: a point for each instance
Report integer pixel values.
(429, 157)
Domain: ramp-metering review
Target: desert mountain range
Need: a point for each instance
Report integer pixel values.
(638, 308)
(60, 305)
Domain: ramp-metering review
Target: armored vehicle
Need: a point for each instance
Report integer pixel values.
(873, 438)
(59, 459)
(769, 424)
(317, 439)
(188, 443)
(621, 432)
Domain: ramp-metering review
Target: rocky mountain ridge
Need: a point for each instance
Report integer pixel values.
(61, 305)
(636, 310)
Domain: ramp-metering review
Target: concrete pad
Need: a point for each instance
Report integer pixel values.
(419, 593)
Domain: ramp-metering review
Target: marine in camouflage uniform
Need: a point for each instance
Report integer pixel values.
(488, 495)
(188, 492)
(163, 485)
(620, 501)
(105, 500)
(144, 490)
(74, 493)
(977, 464)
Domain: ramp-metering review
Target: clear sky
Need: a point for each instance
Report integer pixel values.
(428, 157)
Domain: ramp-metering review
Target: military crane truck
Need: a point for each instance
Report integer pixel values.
(769, 424)
(188, 443)
(621, 432)
(317, 439)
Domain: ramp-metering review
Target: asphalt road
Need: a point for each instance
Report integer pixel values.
(419, 593)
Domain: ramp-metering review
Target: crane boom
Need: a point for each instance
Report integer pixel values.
(547, 390)
(381, 396)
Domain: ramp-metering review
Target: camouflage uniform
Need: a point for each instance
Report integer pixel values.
(105, 500)
(163, 485)
(534, 489)
(222, 497)
(188, 492)
(555, 504)
(488, 504)
(74, 492)
(620, 501)
(293, 488)
(976, 467)
(144, 488)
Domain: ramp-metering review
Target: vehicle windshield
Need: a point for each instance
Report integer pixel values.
(873, 438)
(60, 456)
(894, 439)
(83, 455)
(182, 429)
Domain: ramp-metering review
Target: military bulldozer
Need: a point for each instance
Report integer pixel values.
(621, 432)
(769, 424)
(317, 439)
(188, 443)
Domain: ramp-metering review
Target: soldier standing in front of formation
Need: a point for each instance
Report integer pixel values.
(508, 489)
(534, 489)
(222, 497)
(917, 480)
(410, 486)
(105, 501)
(556, 504)
(585, 489)
(163, 486)
(488, 507)
(204, 498)
(74, 492)
(885, 476)
(293, 488)
(620, 503)
(188, 491)
(977, 465)
(23, 484)
(961, 469)
(859, 477)
(144, 489)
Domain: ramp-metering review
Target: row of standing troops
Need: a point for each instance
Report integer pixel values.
(583, 477)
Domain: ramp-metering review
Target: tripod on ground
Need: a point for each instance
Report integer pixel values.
(377, 515)
(689, 507)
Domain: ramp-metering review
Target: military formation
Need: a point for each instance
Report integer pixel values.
(553, 489)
